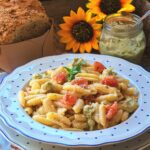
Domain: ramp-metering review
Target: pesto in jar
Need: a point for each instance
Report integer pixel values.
(122, 37)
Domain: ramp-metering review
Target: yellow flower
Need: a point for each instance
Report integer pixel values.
(102, 8)
(80, 32)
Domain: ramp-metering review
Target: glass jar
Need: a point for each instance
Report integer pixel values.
(123, 36)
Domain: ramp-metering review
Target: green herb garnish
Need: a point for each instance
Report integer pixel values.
(74, 70)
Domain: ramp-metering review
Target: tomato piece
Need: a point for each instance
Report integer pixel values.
(110, 114)
(61, 77)
(99, 67)
(107, 108)
(110, 81)
(81, 82)
(115, 107)
(69, 99)
(112, 111)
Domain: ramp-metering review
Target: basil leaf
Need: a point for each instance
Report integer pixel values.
(74, 70)
(68, 69)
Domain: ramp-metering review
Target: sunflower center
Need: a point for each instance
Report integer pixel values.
(82, 31)
(110, 6)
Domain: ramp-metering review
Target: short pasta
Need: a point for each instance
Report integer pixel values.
(80, 96)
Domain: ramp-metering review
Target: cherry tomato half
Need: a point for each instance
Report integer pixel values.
(110, 81)
(81, 82)
(61, 77)
(112, 111)
(99, 67)
(69, 99)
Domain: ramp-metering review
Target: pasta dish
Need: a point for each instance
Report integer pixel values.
(80, 96)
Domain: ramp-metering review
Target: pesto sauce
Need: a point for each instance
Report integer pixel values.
(130, 47)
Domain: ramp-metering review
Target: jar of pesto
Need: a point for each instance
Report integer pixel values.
(123, 36)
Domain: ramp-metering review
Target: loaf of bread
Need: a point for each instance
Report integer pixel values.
(21, 20)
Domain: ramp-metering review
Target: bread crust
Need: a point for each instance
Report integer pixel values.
(21, 20)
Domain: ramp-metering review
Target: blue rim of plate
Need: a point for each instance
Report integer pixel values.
(10, 140)
(82, 145)
(141, 131)
(3, 77)
(1, 131)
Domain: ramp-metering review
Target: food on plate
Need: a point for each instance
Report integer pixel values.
(80, 96)
(21, 20)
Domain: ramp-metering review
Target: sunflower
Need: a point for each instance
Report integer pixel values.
(102, 8)
(80, 31)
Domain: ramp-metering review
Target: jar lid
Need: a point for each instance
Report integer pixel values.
(123, 22)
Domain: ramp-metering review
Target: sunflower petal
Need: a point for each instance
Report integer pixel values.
(96, 26)
(98, 2)
(88, 16)
(125, 1)
(81, 13)
(63, 33)
(72, 13)
(88, 5)
(82, 48)
(65, 26)
(95, 44)
(68, 20)
(88, 47)
(96, 10)
(74, 16)
(70, 45)
(92, 21)
(66, 39)
(97, 33)
(100, 16)
(95, 2)
(76, 47)
(127, 8)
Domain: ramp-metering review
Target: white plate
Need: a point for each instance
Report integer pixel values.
(25, 143)
(17, 119)
(4, 145)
